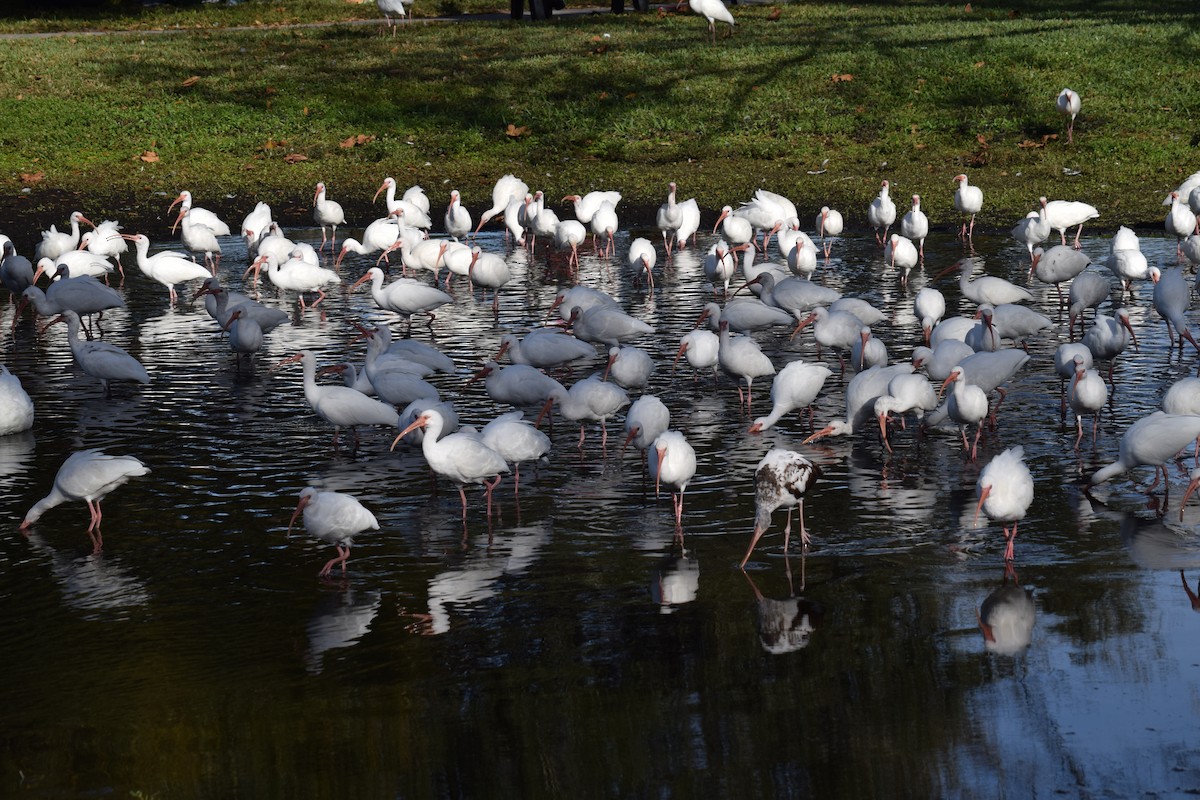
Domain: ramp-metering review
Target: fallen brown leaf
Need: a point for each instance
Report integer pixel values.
(293, 158)
(775, 14)
(842, 77)
(192, 81)
(353, 141)
(979, 64)
(32, 177)
(603, 95)
(968, 9)
(149, 156)
(515, 132)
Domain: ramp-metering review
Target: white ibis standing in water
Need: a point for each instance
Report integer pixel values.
(1005, 489)
(671, 459)
(333, 517)
(968, 199)
(87, 475)
(881, 214)
(461, 457)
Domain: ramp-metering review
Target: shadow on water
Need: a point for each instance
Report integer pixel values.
(577, 640)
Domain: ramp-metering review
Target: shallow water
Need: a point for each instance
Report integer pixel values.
(572, 647)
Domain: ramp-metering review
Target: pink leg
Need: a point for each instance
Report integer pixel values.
(490, 487)
(463, 495)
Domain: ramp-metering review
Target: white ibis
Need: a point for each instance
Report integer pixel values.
(489, 271)
(200, 216)
(795, 386)
(100, 359)
(1034, 229)
(545, 348)
(671, 459)
(781, 478)
(587, 205)
(55, 242)
(328, 214)
(702, 348)
(457, 219)
(1180, 222)
(16, 271)
(404, 296)
(744, 314)
(1151, 441)
(340, 406)
(646, 418)
(629, 366)
(16, 407)
(861, 393)
(1064, 214)
(87, 475)
(518, 385)
(507, 187)
(588, 400)
(938, 361)
(390, 8)
(1005, 488)
(606, 325)
(829, 224)
(929, 307)
(80, 262)
(570, 233)
(220, 303)
(1087, 395)
(167, 267)
(642, 257)
(869, 351)
(414, 203)
(1067, 104)
(1088, 290)
(719, 265)
(256, 224)
(1128, 263)
(604, 224)
(968, 199)
(986, 288)
(669, 218)
(742, 358)
(584, 297)
(544, 222)
(908, 392)
(914, 225)
(516, 440)
(881, 214)
(1109, 337)
(690, 210)
(712, 11)
(461, 457)
(333, 517)
(967, 405)
(1171, 301)
(198, 238)
(245, 335)
(297, 275)
(1058, 265)
(902, 254)
(735, 229)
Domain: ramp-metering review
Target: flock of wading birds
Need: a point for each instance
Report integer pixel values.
(970, 356)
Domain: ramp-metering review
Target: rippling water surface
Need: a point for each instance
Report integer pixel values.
(573, 647)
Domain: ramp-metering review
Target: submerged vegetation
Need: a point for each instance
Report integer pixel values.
(817, 101)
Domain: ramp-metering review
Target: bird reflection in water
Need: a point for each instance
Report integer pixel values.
(676, 579)
(341, 619)
(93, 583)
(786, 625)
(478, 578)
(1006, 616)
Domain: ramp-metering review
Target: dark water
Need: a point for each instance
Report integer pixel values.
(571, 648)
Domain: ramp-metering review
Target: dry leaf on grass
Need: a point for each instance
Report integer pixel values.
(149, 156)
(293, 158)
(192, 81)
(515, 132)
(353, 141)
(775, 14)
(842, 78)
(32, 177)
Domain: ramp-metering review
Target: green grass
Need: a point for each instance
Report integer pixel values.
(627, 102)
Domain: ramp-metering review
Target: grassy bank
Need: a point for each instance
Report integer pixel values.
(816, 101)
